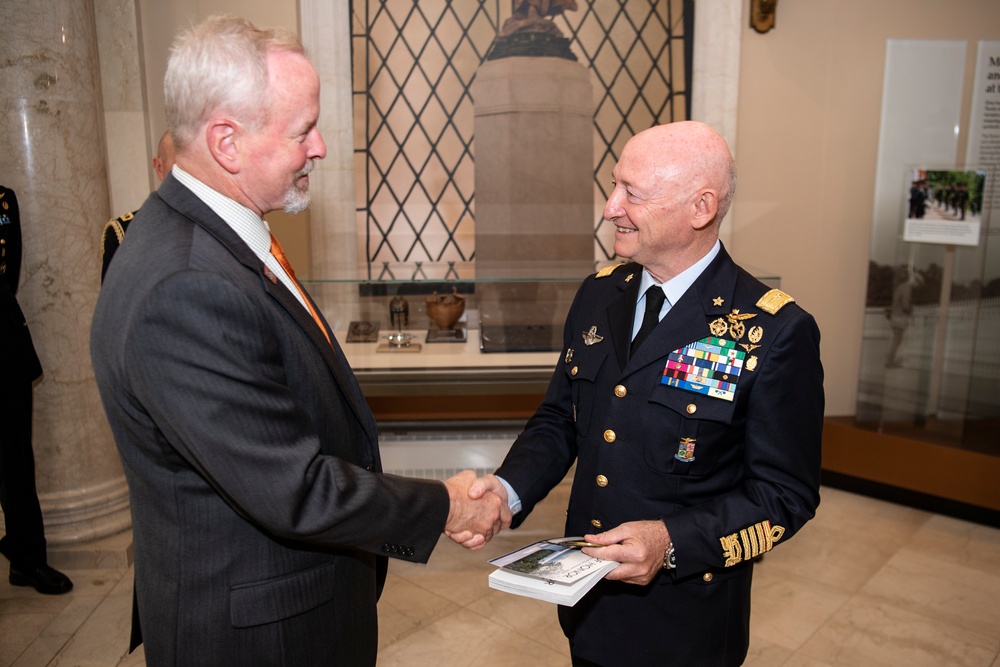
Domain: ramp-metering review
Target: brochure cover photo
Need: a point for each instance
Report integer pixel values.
(554, 570)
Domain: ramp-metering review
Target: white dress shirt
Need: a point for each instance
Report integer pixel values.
(250, 227)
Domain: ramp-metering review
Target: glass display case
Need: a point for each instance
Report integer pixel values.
(412, 339)
(497, 354)
(928, 399)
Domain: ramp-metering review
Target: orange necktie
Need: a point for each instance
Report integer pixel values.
(279, 255)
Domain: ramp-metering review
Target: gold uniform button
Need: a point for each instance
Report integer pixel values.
(707, 577)
(620, 391)
(692, 408)
(575, 370)
(602, 481)
(609, 435)
(596, 523)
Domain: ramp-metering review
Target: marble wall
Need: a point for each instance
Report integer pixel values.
(53, 148)
(130, 148)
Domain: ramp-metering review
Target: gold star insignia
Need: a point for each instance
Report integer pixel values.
(629, 279)
(717, 301)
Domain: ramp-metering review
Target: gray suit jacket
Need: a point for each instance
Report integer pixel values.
(258, 505)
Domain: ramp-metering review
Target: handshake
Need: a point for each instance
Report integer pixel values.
(479, 509)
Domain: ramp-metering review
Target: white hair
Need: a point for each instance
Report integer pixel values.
(220, 66)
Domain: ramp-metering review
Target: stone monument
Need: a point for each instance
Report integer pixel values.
(534, 169)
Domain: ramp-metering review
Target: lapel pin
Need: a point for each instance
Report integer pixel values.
(736, 326)
(756, 333)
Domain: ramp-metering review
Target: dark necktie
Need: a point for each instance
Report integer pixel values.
(654, 302)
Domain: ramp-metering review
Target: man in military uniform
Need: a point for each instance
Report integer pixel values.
(690, 398)
(24, 541)
(114, 230)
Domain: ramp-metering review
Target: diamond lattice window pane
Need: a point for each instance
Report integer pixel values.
(417, 148)
(416, 32)
(417, 90)
(606, 65)
(400, 61)
(414, 65)
(623, 35)
(433, 119)
(398, 9)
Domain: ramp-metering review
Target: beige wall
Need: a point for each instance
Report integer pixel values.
(807, 144)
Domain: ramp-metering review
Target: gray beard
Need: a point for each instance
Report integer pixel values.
(297, 199)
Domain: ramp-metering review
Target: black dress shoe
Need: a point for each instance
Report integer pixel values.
(43, 578)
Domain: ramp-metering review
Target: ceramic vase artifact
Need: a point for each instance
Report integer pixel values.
(445, 309)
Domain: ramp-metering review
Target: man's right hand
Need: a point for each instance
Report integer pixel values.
(473, 521)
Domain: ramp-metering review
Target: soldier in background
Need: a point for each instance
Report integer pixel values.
(24, 542)
(114, 230)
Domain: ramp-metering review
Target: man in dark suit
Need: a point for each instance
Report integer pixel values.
(24, 541)
(261, 518)
(693, 413)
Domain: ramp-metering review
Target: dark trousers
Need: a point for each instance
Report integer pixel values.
(24, 543)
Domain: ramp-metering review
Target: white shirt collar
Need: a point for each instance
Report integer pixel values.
(676, 286)
(250, 227)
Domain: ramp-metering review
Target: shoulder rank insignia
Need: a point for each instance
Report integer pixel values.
(774, 301)
(607, 271)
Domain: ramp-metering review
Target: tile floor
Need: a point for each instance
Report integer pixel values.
(866, 584)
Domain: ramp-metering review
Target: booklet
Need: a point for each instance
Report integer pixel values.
(554, 570)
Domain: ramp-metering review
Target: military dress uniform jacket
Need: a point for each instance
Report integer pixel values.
(19, 363)
(111, 239)
(730, 474)
(260, 516)
(24, 539)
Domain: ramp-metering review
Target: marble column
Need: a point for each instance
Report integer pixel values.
(52, 142)
(130, 147)
(718, 29)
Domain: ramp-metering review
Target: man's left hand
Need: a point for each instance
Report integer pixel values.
(637, 545)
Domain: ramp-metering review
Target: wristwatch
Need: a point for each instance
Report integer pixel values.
(669, 560)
